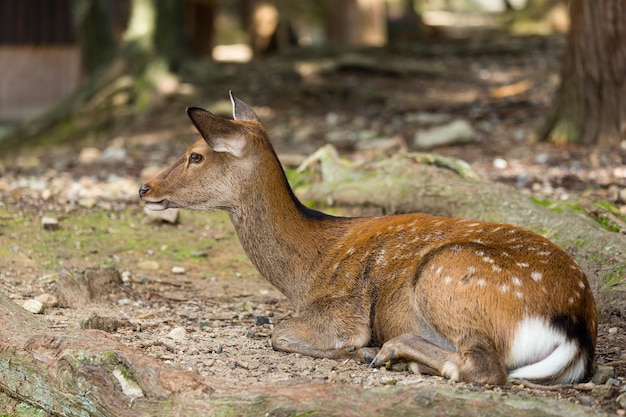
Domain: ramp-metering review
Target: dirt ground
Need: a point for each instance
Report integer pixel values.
(188, 294)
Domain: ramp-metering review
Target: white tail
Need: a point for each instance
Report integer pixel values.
(467, 300)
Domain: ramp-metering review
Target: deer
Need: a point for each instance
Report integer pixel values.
(466, 300)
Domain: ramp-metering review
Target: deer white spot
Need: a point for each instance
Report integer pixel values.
(448, 279)
(581, 284)
(488, 260)
(519, 294)
(473, 224)
(511, 231)
(570, 300)
(481, 282)
(540, 351)
(506, 254)
(350, 251)
(471, 269)
(380, 259)
(516, 281)
(536, 276)
(577, 294)
(544, 253)
(480, 253)
(504, 288)
(522, 264)
(496, 268)
(438, 271)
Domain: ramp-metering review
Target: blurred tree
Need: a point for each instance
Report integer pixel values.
(355, 22)
(124, 81)
(590, 105)
(92, 19)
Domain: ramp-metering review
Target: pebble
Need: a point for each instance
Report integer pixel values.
(500, 163)
(89, 155)
(603, 374)
(261, 320)
(177, 333)
(586, 400)
(49, 223)
(457, 131)
(613, 330)
(621, 400)
(178, 270)
(149, 265)
(48, 300)
(34, 306)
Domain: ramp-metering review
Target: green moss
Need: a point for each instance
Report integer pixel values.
(552, 205)
(607, 206)
(614, 278)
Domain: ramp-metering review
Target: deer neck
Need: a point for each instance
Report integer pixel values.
(282, 238)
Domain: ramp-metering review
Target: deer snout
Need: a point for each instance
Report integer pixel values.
(143, 190)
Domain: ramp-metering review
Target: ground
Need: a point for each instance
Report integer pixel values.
(193, 275)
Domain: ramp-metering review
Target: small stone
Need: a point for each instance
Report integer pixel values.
(613, 330)
(114, 154)
(149, 265)
(89, 155)
(127, 277)
(603, 374)
(586, 400)
(261, 320)
(500, 163)
(34, 306)
(87, 203)
(457, 131)
(621, 400)
(335, 377)
(49, 223)
(622, 195)
(603, 391)
(177, 333)
(48, 300)
(178, 270)
(614, 382)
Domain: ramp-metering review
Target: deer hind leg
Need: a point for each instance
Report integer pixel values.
(477, 363)
(325, 332)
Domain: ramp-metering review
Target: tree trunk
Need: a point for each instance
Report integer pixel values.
(94, 33)
(590, 105)
(141, 71)
(356, 22)
(87, 373)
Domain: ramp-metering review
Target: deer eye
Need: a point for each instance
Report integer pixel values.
(195, 158)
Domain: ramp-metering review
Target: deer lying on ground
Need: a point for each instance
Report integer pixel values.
(467, 300)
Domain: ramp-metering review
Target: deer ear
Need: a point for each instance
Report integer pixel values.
(220, 134)
(241, 111)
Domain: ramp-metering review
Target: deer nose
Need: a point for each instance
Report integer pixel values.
(143, 190)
